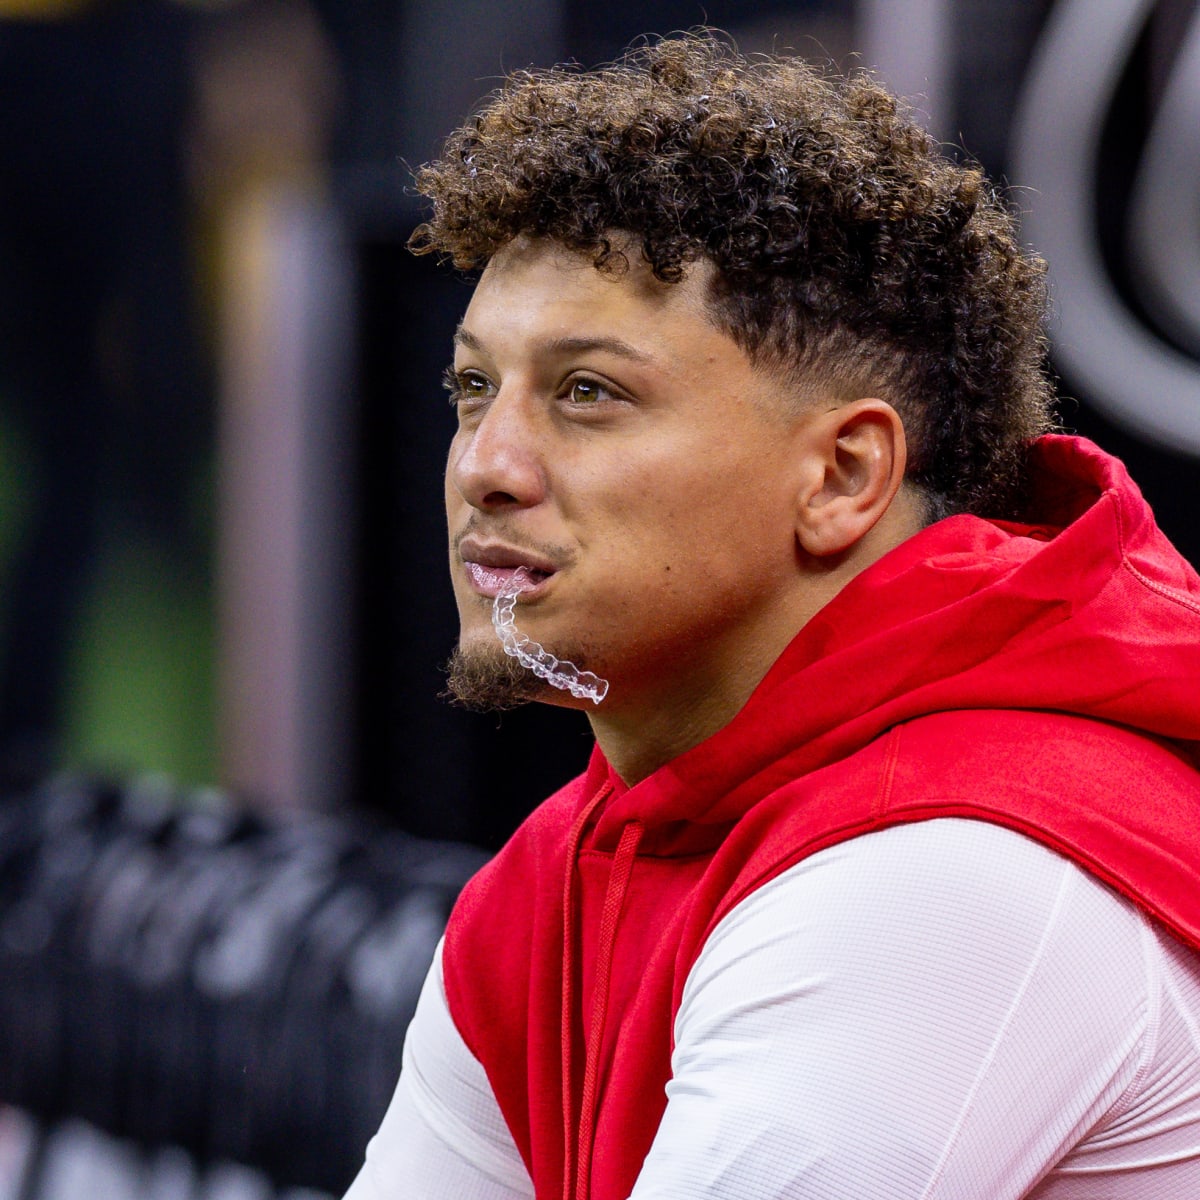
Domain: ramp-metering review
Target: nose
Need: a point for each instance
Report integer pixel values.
(495, 460)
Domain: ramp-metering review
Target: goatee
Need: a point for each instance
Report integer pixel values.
(490, 681)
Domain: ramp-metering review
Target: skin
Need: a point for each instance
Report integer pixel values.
(696, 515)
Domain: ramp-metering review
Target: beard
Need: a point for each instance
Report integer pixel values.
(488, 680)
(485, 679)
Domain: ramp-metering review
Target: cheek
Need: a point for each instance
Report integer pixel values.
(652, 490)
(449, 491)
(672, 515)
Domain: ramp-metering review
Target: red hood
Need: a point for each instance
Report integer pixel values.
(1091, 611)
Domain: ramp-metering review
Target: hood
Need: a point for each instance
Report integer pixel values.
(1091, 611)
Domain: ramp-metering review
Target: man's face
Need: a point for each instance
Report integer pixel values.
(621, 448)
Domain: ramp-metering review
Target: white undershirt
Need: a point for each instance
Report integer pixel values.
(938, 1011)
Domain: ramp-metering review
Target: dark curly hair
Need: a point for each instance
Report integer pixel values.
(848, 249)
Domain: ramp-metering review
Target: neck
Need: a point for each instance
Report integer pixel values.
(649, 721)
(638, 741)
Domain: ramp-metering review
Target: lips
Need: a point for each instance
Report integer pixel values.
(491, 568)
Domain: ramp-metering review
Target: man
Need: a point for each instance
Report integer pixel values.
(884, 879)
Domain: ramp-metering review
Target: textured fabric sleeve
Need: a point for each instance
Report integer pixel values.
(930, 1012)
(443, 1136)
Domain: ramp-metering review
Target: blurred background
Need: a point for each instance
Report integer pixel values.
(236, 810)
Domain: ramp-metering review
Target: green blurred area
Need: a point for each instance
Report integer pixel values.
(140, 681)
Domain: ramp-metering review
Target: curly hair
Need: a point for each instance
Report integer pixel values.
(848, 249)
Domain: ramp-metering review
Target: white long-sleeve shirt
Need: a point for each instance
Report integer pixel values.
(939, 1011)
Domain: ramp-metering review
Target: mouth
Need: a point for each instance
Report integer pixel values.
(492, 569)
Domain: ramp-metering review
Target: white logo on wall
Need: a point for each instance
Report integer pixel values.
(1109, 355)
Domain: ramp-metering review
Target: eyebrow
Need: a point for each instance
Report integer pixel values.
(567, 345)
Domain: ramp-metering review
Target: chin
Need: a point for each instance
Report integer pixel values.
(481, 676)
(485, 679)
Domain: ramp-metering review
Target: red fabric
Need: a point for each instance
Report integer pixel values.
(1044, 678)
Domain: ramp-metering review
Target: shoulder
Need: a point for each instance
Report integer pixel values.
(959, 927)
(876, 1008)
(983, 877)
(1122, 805)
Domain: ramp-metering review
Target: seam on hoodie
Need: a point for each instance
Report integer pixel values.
(883, 795)
(1159, 589)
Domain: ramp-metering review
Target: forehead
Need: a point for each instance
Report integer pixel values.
(536, 286)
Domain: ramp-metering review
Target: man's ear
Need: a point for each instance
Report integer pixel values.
(856, 455)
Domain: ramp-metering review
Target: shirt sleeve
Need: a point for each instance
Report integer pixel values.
(443, 1136)
(933, 1011)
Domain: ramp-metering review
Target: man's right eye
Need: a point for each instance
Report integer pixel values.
(465, 386)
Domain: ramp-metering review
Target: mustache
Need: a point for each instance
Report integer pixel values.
(501, 530)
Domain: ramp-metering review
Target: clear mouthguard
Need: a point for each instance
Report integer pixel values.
(555, 671)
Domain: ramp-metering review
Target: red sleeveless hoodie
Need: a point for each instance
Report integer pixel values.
(1045, 678)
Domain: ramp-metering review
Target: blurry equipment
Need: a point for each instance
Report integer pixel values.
(185, 973)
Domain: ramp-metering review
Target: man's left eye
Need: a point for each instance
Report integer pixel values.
(585, 391)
